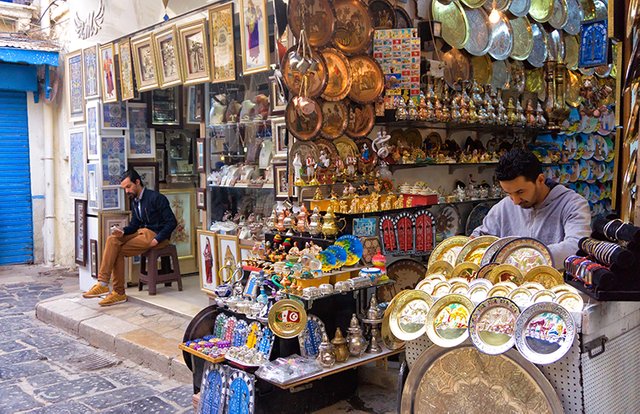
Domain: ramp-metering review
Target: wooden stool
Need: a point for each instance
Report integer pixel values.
(169, 270)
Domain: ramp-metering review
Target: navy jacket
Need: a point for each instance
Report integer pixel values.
(156, 215)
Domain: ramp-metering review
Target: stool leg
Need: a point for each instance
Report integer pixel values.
(167, 284)
(152, 274)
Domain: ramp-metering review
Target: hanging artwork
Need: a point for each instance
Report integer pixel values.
(254, 36)
(213, 389)
(77, 163)
(108, 73)
(144, 63)
(80, 212)
(75, 95)
(126, 70)
(222, 43)
(113, 159)
(141, 137)
(90, 72)
(114, 116)
(594, 44)
(194, 105)
(93, 111)
(195, 53)
(93, 179)
(111, 198)
(228, 255)
(208, 258)
(167, 57)
(148, 171)
(182, 203)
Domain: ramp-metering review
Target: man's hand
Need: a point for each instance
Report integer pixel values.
(117, 231)
(153, 243)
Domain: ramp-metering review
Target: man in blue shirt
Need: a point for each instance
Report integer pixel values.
(151, 225)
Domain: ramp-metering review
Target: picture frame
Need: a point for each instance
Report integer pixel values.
(595, 34)
(80, 215)
(182, 202)
(160, 138)
(78, 163)
(280, 181)
(114, 116)
(111, 198)
(228, 255)
(93, 121)
(93, 258)
(160, 159)
(106, 221)
(221, 36)
(93, 191)
(144, 62)
(142, 142)
(108, 73)
(195, 103)
(113, 159)
(148, 171)
(201, 155)
(277, 98)
(168, 57)
(125, 67)
(208, 261)
(90, 72)
(75, 87)
(255, 45)
(165, 106)
(201, 198)
(279, 136)
(194, 50)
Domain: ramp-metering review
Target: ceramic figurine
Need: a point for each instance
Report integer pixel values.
(412, 112)
(297, 169)
(401, 109)
(422, 108)
(521, 119)
(340, 346)
(356, 341)
(512, 118)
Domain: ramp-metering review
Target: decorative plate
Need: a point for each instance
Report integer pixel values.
(455, 27)
(346, 147)
(505, 273)
(499, 291)
(543, 296)
(441, 289)
(388, 234)
(353, 30)
(487, 257)
(560, 289)
(459, 288)
(316, 16)
(544, 332)
(480, 37)
(316, 78)
(482, 69)
(406, 273)
(484, 270)
(519, 8)
(448, 222)
(368, 158)
(522, 38)
(339, 75)
(476, 216)
(473, 250)
(311, 337)
(303, 117)
(240, 333)
(240, 392)
(560, 15)
(328, 260)
(541, 10)
(524, 253)
(441, 267)
(492, 325)
(572, 94)
(448, 319)
(403, 20)
(361, 120)
(574, 18)
(473, 4)
(478, 290)
(571, 51)
(367, 81)
(521, 296)
(465, 270)
(456, 66)
(287, 318)
(427, 285)
(571, 301)
(371, 247)
(448, 250)
(353, 246)
(538, 54)
(389, 340)
(533, 287)
(407, 321)
(501, 74)
(327, 152)
(501, 39)
(545, 275)
(383, 15)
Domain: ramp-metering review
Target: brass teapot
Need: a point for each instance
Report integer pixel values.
(315, 223)
(329, 226)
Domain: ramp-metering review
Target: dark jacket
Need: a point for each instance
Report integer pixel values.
(157, 215)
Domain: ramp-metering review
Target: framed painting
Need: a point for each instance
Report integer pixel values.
(254, 36)
(201, 155)
(183, 205)
(127, 90)
(114, 116)
(195, 102)
(222, 43)
(75, 88)
(93, 257)
(165, 106)
(144, 62)
(161, 164)
(80, 215)
(111, 198)
(195, 52)
(78, 163)
(93, 113)
(113, 158)
(108, 73)
(277, 98)
(201, 198)
(141, 137)
(90, 72)
(228, 255)
(280, 181)
(279, 134)
(160, 138)
(93, 192)
(148, 171)
(208, 261)
(109, 220)
(167, 57)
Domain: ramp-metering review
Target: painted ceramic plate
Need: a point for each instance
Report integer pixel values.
(547, 276)
(403, 20)
(455, 27)
(543, 296)
(368, 158)
(466, 270)
(367, 81)
(499, 291)
(305, 149)
(287, 318)
(311, 337)
(353, 246)
(339, 75)
(525, 253)
(361, 120)
(448, 319)
(303, 117)
(459, 288)
(477, 215)
(533, 287)
(474, 249)
(441, 267)
(448, 250)
(521, 296)
(505, 273)
(493, 248)
(340, 253)
(571, 301)
(408, 319)
(544, 332)
(315, 16)
(353, 30)
(560, 289)
(448, 222)
(492, 325)
(346, 148)
(316, 78)
(427, 285)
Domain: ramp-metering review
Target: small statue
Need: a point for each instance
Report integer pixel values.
(401, 110)
(297, 170)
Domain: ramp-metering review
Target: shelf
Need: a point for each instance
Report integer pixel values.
(391, 123)
(385, 283)
(397, 210)
(241, 187)
(338, 367)
(455, 165)
(201, 355)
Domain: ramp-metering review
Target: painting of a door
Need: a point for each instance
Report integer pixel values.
(404, 227)
(388, 233)
(425, 232)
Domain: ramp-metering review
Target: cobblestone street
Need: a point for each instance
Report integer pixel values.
(43, 370)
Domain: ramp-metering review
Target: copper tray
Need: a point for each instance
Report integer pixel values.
(339, 75)
(335, 118)
(367, 79)
(383, 15)
(403, 20)
(303, 117)
(319, 20)
(455, 27)
(354, 30)
(346, 148)
(361, 120)
(316, 79)
(326, 146)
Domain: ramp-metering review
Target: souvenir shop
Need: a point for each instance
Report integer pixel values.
(339, 154)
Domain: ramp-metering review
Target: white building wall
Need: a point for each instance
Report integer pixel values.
(36, 161)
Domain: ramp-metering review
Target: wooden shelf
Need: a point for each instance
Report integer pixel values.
(201, 355)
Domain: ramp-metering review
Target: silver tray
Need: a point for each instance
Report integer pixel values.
(501, 39)
(538, 54)
(480, 36)
(500, 74)
(492, 325)
(560, 15)
(574, 17)
(519, 8)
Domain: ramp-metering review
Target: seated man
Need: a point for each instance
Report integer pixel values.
(151, 225)
(539, 208)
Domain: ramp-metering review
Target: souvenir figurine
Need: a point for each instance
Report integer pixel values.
(531, 116)
(422, 108)
(271, 221)
(310, 164)
(401, 110)
(297, 170)
(379, 144)
(412, 112)
(318, 194)
(301, 223)
(521, 119)
(351, 162)
(540, 122)
(218, 109)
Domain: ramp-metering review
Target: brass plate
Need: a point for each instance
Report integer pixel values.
(440, 267)
(571, 301)
(482, 69)
(491, 250)
(459, 288)
(287, 318)
(326, 146)
(492, 325)
(427, 285)
(480, 37)
(505, 273)
(519, 8)
(473, 250)
(455, 27)
(555, 46)
(560, 289)
(541, 10)
(367, 79)
(501, 74)
(448, 319)
(484, 270)
(441, 289)
(533, 287)
(485, 384)
(339, 75)
(522, 38)
(632, 16)
(361, 120)
(383, 15)
(456, 67)
(316, 79)
(448, 250)
(574, 18)
(499, 291)
(538, 54)
(545, 275)
(354, 31)
(346, 147)
(389, 340)
(501, 39)
(335, 118)
(524, 253)
(303, 117)
(560, 15)
(543, 296)
(408, 319)
(521, 296)
(316, 16)
(534, 82)
(465, 270)
(474, 4)
(588, 10)
(571, 52)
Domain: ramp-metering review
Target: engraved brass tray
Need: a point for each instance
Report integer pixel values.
(534, 82)
(408, 318)
(335, 118)
(519, 8)
(478, 290)
(448, 319)
(316, 16)
(493, 248)
(484, 270)
(316, 79)
(456, 67)
(448, 250)
(545, 332)
(389, 340)
(303, 117)
(354, 31)
(480, 37)
(538, 54)
(441, 267)
(466, 270)
(287, 318)
(560, 15)
(524, 253)
(482, 69)
(455, 27)
(501, 39)
(473, 250)
(574, 18)
(505, 383)
(560, 289)
(306, 149)
(367, 79)
(383, 15)
(346, 147)
(361, 120)
(505, 273)
(522, 38)
(571, 301)
(571, 52)
(541, 10)
(492, 325)
(547, 276)
(441, 289)
(339, 75)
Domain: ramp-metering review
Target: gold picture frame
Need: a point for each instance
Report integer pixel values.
(108, 84)
(127, 90)
(144, 62)
(255, 41)
(194, 49)
(182, 202)
(168, 59)
(208, 261)
(223, 60)
(75, 86)
(227, 247)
